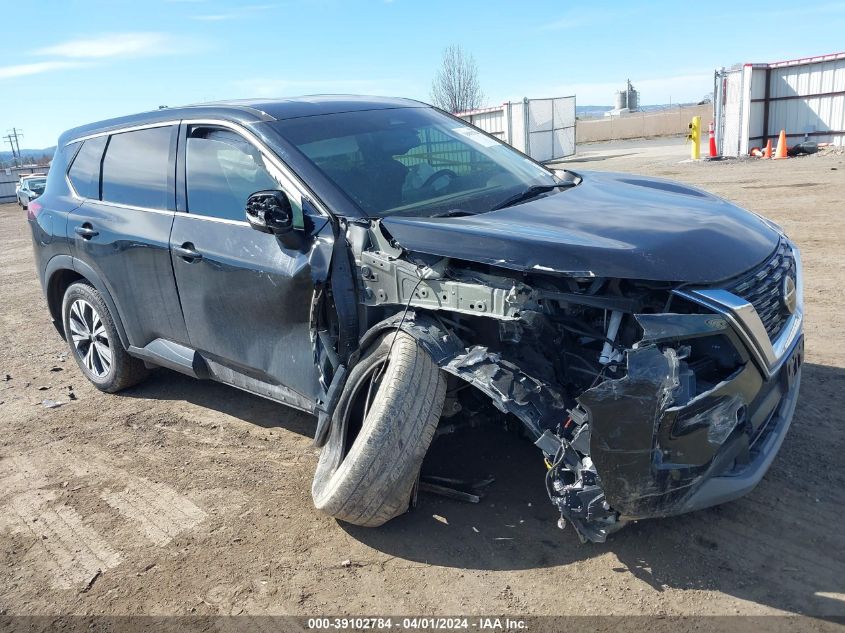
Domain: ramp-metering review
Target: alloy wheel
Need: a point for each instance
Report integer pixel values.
(90, 338)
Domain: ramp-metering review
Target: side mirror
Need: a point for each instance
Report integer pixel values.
(270, 212)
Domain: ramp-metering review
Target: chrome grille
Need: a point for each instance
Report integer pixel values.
(763, 288)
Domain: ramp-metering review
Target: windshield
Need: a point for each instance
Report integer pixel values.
(36, 185)
(413, 161)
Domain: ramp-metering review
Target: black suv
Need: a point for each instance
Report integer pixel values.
(366, 260)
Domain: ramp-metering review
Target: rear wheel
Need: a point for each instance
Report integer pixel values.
(94, 342)
(381, 429)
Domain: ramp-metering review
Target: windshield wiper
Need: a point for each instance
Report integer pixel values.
(451, 213)
(531, 192)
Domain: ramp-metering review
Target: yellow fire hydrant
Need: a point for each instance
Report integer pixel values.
(694, 136)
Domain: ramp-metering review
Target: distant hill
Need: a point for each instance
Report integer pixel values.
(29, 155)
(591, 110)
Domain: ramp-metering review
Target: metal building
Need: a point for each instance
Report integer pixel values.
(542, 128)
(805, 97)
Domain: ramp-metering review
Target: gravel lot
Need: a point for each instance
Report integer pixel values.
(186, 497)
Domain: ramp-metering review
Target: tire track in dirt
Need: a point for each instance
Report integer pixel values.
(75, 552)
(160, 512)
(70, 548)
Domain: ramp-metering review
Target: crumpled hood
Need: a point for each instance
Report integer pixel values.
(610, 225)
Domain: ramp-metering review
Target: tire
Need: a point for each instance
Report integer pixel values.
(371, 482)
(108, 366)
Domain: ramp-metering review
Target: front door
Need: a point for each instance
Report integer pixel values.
(246, 297)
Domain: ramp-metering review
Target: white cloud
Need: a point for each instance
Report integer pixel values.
(217, 17)
(582, 17)
(241, 12)
(23, 70)
(114, 45)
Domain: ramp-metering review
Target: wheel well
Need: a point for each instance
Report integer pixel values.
(56, 288)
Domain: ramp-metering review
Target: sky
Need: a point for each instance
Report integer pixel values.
(69, 62)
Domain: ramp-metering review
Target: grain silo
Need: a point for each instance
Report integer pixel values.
(633, 97)
(621, 100)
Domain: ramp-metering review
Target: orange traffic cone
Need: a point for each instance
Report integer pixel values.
(713, 153)
(768, 152)
(781, 151)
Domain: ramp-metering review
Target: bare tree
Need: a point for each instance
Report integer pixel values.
(455, 87)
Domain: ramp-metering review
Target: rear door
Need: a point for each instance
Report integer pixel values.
(122, 229)
(246, 296)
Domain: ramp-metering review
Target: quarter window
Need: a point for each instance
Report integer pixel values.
(222, 170)
(84, 173)
(136, 168)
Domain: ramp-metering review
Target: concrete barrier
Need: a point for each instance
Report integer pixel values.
(669, 122)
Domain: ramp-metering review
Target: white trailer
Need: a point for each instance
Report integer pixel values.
(804, 97)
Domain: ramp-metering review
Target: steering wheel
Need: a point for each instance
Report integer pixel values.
(440, 172)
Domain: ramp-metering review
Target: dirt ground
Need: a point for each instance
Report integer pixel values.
(186, 497)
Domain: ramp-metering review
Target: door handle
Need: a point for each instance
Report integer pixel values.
(187, 252)
(86, 231)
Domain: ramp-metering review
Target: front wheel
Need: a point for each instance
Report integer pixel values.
(381, 429)
(94, 342)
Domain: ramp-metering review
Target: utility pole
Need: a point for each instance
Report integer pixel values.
(10, 140)
(16, 133)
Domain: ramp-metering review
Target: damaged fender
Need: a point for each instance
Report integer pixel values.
(536, 404)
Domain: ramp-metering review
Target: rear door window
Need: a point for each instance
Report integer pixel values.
(84, 173)
(222, 170)
(137, 168)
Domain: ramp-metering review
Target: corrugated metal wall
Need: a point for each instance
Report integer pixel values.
(793, 107)
(491, 120)
(803, 97)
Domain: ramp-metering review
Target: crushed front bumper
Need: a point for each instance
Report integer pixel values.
(739, 479)
(652, 454)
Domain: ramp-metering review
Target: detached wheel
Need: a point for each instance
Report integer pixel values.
(94, 342)
(381, 429)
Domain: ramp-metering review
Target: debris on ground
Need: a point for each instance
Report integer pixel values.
(453, 488)
(92, 580)
(52, 404)
(449, 493)
(807, 147)
(349, 563)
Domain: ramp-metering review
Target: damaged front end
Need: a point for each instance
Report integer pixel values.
(646, 399)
